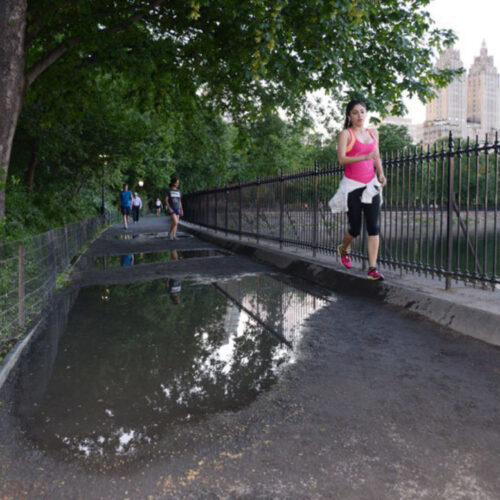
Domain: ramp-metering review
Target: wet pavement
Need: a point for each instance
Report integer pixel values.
(217, 377)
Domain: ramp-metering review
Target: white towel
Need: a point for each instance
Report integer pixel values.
(338, 203)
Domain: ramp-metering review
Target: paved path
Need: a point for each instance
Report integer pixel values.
(377, 406)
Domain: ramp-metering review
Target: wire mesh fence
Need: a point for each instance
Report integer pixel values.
(30, 270)
(439, 216)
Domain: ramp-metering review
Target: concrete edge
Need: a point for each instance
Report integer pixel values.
(11, 359)
(448, 312)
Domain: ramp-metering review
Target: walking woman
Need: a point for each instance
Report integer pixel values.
(158, 206)
(174, 206)
(136, 207)
(360, 191)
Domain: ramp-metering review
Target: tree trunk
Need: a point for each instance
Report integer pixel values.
(12, 60)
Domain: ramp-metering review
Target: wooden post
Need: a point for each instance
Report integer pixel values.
(21, 286)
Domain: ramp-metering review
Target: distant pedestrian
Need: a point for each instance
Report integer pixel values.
(158, 206)
(127, 260)
(136, 207)
(359, 192)
(174, 206)
(125, 202)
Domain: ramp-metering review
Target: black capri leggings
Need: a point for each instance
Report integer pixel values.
(371, 211)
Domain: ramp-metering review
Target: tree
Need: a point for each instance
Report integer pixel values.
(240, 56)
(268, 145)
(393, 138)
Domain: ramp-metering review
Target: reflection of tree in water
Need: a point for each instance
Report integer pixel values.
(137, 363)
(279, 306)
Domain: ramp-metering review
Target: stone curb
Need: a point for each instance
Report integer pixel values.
(11, 359)
(446, 311)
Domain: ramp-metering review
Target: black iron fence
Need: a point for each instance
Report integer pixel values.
(31, 270)
(439, 216)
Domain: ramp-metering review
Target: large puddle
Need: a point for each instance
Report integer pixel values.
(132, 259)
(112, 374)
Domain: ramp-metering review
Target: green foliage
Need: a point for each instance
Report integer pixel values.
(192, 89)
(393, 138)
(245, 56)
(264, 147)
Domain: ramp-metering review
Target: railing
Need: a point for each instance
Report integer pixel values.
(439, 216)
(30, 271)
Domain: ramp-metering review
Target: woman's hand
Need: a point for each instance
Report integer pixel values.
(382, 179)
(371, 156)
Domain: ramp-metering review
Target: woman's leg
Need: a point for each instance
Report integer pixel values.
(353, 217)
(372, 216)
(373, 244)
(173, 227)
(346, 242)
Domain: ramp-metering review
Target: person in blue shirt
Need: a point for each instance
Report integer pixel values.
(127, 260)
(125, 204)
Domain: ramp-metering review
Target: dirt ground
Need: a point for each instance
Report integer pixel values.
(378, 405)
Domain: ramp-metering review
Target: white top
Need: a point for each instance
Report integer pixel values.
(338, 203)
(137, 202)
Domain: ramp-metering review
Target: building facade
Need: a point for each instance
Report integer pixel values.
(469, 106)
(450, 103)
(483, 89)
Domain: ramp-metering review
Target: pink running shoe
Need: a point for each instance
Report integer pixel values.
(373, 274)
(344, 257)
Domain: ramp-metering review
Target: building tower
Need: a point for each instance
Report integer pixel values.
(483, 92)
(447, 111)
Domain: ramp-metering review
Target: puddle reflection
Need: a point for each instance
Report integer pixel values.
(134, 360)
(130, 259)
(161, 235)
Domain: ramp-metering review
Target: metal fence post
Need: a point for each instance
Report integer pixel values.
(226, 214)
(315, 208)
(257, 228)
(449, 225)
(215, 209)
(282, 206)
(21, 286)
(207, 209)
(240, 200)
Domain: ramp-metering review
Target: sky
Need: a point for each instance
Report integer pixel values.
(473, 22)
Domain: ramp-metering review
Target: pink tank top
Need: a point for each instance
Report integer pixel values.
(361, 171)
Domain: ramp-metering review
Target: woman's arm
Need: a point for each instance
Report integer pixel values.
(378, 162)
(342, 146)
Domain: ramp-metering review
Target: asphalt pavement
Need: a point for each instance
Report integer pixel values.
(379, 404)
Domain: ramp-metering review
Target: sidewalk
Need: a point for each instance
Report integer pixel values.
(465, 309)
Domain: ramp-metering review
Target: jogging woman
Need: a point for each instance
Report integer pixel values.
(359, 192)
(174, 206)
